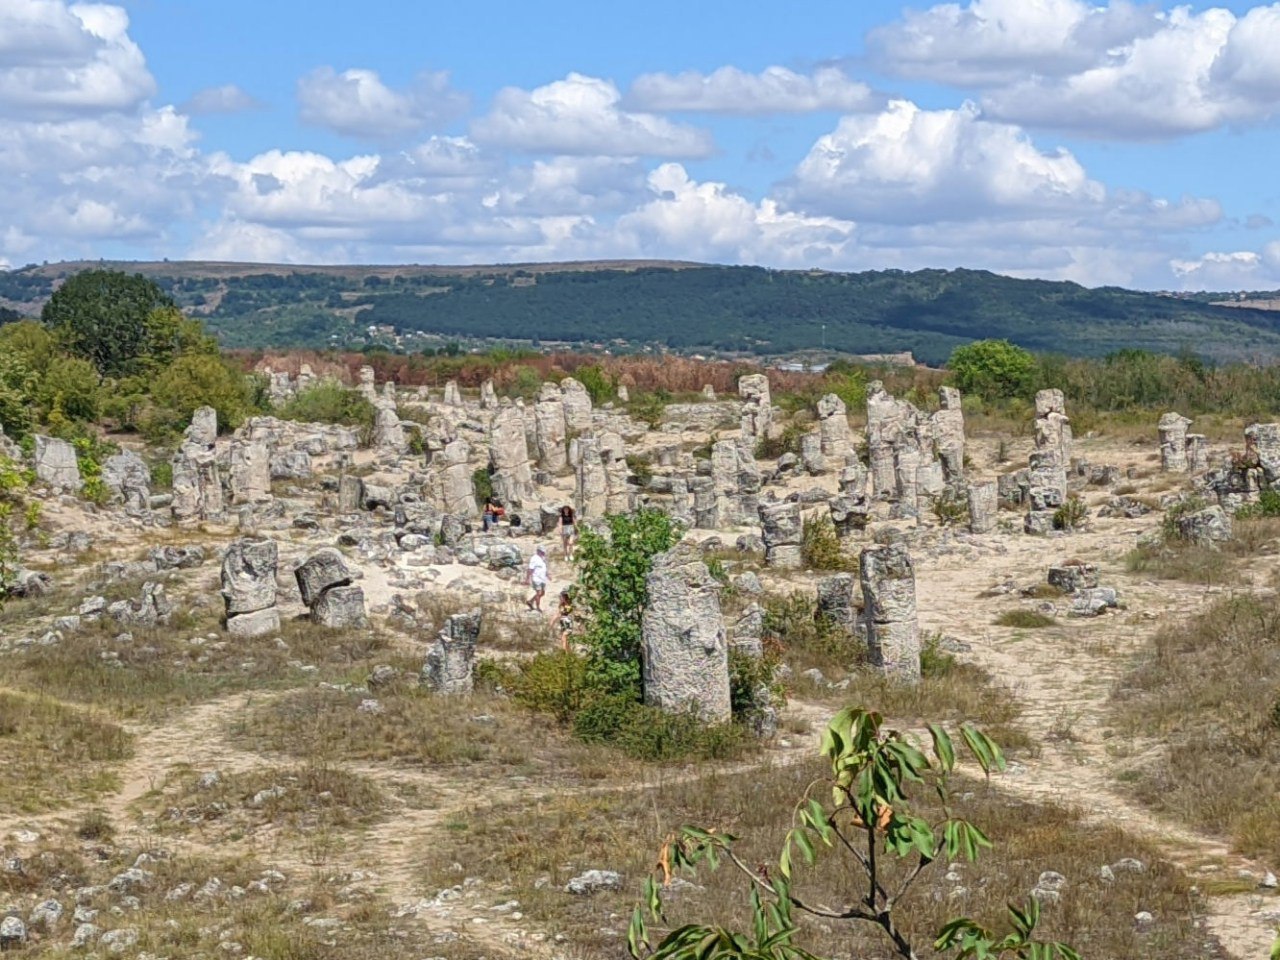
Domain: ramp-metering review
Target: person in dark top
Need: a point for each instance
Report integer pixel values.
(568, 530)
(493, 512)
(564, 618)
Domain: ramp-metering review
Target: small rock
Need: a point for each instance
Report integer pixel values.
(13, 933)
(593, 881)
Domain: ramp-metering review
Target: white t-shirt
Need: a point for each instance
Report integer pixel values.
(538, 570)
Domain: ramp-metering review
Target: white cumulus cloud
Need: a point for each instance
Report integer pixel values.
(734, 91)
(583, 115)
(356, 103)
(227, 98)
(57, 59)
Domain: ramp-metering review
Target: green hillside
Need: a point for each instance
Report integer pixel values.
(684, 307)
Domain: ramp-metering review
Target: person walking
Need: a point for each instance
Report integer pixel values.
(493, 512)
(564, 618)
(568, 531)
(535, 575)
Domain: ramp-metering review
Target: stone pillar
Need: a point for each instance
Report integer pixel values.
(708, 392)
(1197, 453)
(1173, 442)
(449, 480)
(1264, 440)
(325, 583)
(783, 532)
(984, 506)
(833, 429)
(549, 421)
(757, 406)
(591, 484)
(388, 433)
(452, 395)
(706, 513)
(948, 433)
(203, 429)
(889, 612)
(1052, 426)
(250, 471)
(736, 478)
(350, 494)
(686, 656)
(835, 601)
(907, 456)
(815, 464)
(613, 454)
(488, 396)
(509, 459)
(853, 479)
(748, 631)
(451, 656)
(368, 385)
(129, 480)
(884, 466)
(577, 405)
(849, 515)
(197, 486)
(249, 587)
(57, 464)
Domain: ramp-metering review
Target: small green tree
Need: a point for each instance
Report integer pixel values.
(199, 380)
(70, 384)
(13, 511)
(993, 369)
(869, 816)
(612, 593)
(103, 316)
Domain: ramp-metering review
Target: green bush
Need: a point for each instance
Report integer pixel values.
(1268, 505)
(792, 623)
(612, 593)
(1071, 515)
(482, 484)
(648, 733)
(555, 683)
(788, 441)
(649, 407)
(994, 369)
(70, 384)
(330, 402)
(950, 508)
(194, 381)
(820, 546)
(598, 384)
(162, 475)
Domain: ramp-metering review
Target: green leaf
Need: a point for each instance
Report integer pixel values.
(943, 747)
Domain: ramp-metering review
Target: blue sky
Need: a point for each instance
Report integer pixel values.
(1107, 143)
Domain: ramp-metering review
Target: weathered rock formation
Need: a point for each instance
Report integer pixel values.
(325, 583)
(451, 656)
(128, 478)
(889, 611)
(757, 406)
(249, 587)
(550, 429)
(509, 465)
(57, 464)
(686, 663)
(1173, 443)
(782, 531)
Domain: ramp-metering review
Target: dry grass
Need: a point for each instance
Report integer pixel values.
(536, 853)
(1204, 564)
(486, 733)
(513, 631)
(53, 754)
(206, 907)
(300, 800)
(159, 670)
(1206, 692)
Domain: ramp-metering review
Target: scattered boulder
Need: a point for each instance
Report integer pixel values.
(451, 656)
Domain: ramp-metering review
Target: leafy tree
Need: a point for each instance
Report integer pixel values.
(199, 380)
(612, 593)
(598, 384)
(17, 382)
(993, 369)
(330, 402)
(70, 385)
(30, 341)
(869, 815)
(103, 316)
(13, 510)
(169, 335)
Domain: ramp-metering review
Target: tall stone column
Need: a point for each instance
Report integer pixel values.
(889, 611)
(783, 532)
(984, 506)
(686, 653)
(1173, 442)
(249, 587)
(451, 656)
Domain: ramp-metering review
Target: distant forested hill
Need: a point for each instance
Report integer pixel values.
(685, 307)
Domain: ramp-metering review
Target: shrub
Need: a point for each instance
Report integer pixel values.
(598, 384)
(1025, 619)
(554, 683)
(649, 407)
(641, 467)
(1268, 505)
(950, 509)
(648, 733)
(1071, 515)
(612, 593)
(788, 441)
(330, 402)
(482, 484)
(820, 546)
(993, 369)
(194, 381)
(70, 384)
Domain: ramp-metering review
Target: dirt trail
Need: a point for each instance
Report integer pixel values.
(1064, 677)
